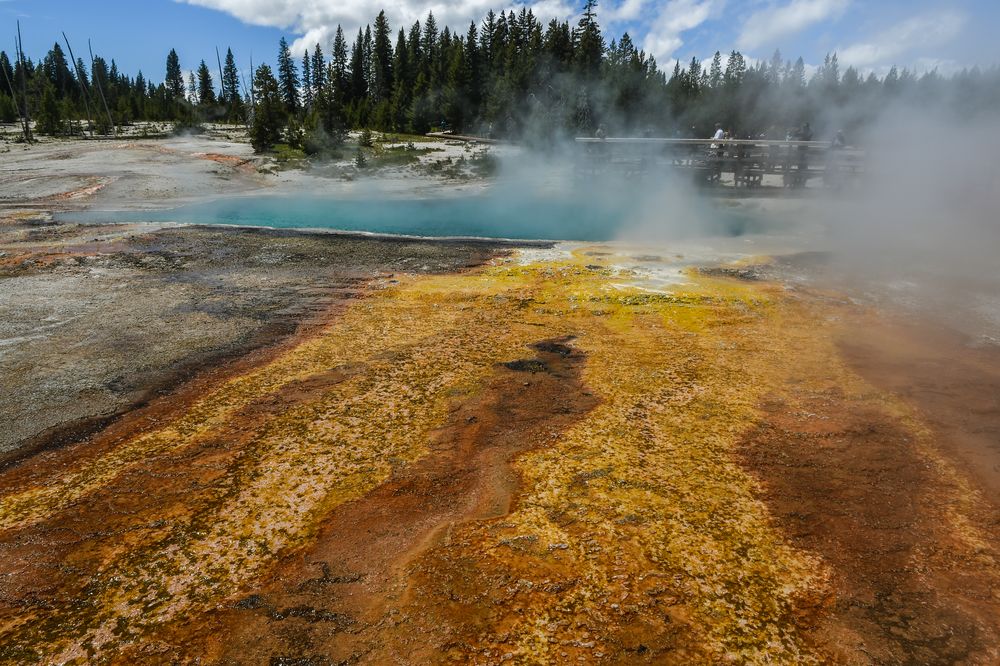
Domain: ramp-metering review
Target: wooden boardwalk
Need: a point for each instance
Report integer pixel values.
(739, 163)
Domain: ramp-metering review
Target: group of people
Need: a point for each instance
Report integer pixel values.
(803, 133)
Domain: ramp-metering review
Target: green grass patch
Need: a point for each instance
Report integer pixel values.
(397, 156)
(285, 153)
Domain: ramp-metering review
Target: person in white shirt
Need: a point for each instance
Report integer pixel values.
(718, 136)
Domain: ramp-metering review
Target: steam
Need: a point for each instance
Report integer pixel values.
(931, 200)
(919, 228)
(923, 232)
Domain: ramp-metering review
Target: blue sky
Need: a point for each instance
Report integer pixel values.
(919, 34)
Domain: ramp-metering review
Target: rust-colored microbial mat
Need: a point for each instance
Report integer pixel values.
(525, 463)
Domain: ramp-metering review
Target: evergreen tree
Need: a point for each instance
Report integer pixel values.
(368, 60)
(473, 72)
(82, 73)
(8, 110)
(429, 49)
(231, 81)
(736, 68)
(715, 71)
(56, 70)
(206, 90)
(49, 119)
(589, 42)
(307, 81)
(486, 40)
(421, 110)
(381, 87)
(6, 73)
(358, 69)
(796, 77)
(456, 89)
(269, 111)
(339, 68)
(403, 82)
(288, 77)
(774, 69)
(175, 78)
(525, 79)
(318, 71)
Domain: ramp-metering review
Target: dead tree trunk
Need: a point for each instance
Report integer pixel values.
(83, 87)
(24, 85)
(13, 96)
(100, 90)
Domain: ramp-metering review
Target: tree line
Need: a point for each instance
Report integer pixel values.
(505, 76)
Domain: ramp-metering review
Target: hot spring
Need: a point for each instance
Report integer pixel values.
(534, 217)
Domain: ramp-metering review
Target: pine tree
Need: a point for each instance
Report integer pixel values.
(175, 78)
(206, 91)
(307, 82)
(381, 87)
(318, 71)
(368, 60)
(506, 70)
(403, 82)
(8, 110)
(269, 111)
(359, 69)
(429, 50)
(6, 73)
(486, 40)
(231, 81)
(774, 69)
(715, 71)
(420, 108)
(86, 82)
(589, 42)
(414, 53)
(796, 76)
(56, 70)
(288, 77)
(472, 68)
(339, 72)
(736, 68)
(49, 118)
(456, 89)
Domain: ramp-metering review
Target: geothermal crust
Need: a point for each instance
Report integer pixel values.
(235, 446)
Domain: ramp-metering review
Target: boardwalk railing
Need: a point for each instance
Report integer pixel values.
(795, 163)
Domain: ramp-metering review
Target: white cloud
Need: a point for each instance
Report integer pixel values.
(626, 10)
(317, 20)
(675, 18)
(924, 30)
(767, 25)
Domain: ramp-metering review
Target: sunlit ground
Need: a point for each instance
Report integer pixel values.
(637, 532)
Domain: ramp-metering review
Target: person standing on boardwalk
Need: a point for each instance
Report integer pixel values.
(804, 134)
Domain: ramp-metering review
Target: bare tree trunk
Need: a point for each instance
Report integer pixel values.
(83, 88)
(253, 102)
(24, 85)
(222, 77)
(13, 96)
(111, 120)
(248, 116)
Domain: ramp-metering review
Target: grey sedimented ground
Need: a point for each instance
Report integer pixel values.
(96, 319)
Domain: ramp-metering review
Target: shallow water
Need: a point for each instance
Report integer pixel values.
(490, 216)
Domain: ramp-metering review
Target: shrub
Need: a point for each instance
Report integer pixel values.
(360, 161)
